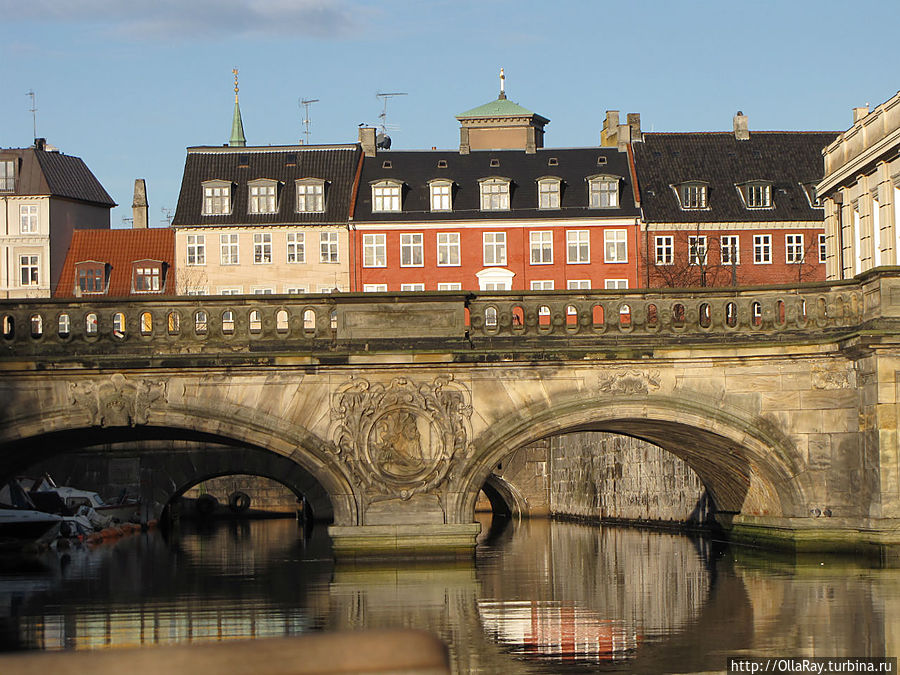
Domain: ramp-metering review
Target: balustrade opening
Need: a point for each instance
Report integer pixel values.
(228, 322)
(90, 324)
(9, 327)
(37, 325)
(625, 316)
(119, 325)
(146, 323)
(64, 325)
(174, 323)
(201, 322)
(255, 321)
(281, 321)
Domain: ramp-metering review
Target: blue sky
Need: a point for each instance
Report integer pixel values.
(128, 86)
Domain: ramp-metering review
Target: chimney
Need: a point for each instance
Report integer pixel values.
(40, 143)
(859, 113)
(139, 206)
(367, 140)
(623, 137)
(741, 127)
(610, 129)
(634, 122)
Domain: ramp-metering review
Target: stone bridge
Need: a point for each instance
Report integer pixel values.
(392, 409)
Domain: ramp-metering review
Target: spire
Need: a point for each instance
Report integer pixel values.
(237, 126)
(502, 86)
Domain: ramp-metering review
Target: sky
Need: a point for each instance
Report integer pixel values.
(127, 86)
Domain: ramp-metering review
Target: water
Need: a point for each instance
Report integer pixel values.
(542, 597)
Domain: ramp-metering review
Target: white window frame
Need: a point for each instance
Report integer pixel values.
(876, 231)
(229, 249)
(542, 285)
(262, 197)
(730, 244)
(549, 192)
(147, 272)
(441, 195)
(494, 249)
(412, 249)
(494, 194)
(296, 247)
(762, 249)
(262, 248)
(823, 249)
(29, 269)
(541, 245)
(28, 219)
(664, 249)
(412, 288)
(375, 250)
(757, 195)
(231, 290)
(329, 248)
(7, 175)
(615, 284)
(693, 196)
(310, 195)
(794, 249)
(216, 198)
(615, 246)
(449, 286)
(495, 279)
(386, 196)
(448, 249)
(196, 250)
(578, 247)
(578, 285)
(698, 247)
(603, 192)
(296, 290)
(262, 290)
(375, 288)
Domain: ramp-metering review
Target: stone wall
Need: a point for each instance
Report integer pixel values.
(265, 494)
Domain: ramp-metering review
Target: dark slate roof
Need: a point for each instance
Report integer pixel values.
(787, 159)
(43, 172)
(416, 168)
(335, 164)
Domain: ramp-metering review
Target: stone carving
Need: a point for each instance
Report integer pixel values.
(629, 382)
(400, 438)
(117, 402)
(825, 378)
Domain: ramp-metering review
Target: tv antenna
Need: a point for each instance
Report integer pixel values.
(33, 111)
(167, 216)
(306, 102)
(383, 115)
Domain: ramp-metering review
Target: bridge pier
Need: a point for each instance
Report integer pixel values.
(428, 540)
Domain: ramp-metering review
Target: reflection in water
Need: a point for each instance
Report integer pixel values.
(542, 597)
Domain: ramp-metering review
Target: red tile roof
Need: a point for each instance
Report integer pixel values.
(119, 250)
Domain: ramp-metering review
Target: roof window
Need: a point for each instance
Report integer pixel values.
(386, 164)
(442, 164)
(553, 161)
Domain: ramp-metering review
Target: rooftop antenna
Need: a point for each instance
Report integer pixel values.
(306, 102)
(383, 115)
(33, 112)
(167, 216)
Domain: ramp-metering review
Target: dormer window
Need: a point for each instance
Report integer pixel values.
(441, 195)
(494, 194)
(216, 198)
(756, 194)
(7, 175)
(603, 192)
(692, 195)
(386, 196)
(263, 196)
(809, 189)
(90, 277)
(147, 276)
(311, 195)
(548, 192)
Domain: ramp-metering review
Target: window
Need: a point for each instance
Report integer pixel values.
(603, 192)
(28, 270)
(615, 246)
(329, 289)
(822, 249)
(448, 249)
(692, 195)
(762, 248)
(731, 250)
(449, 286)
(374, 288)
(411, 250)
(578, 284)
(228, 244)
(541, 248)
(295, 290)
(809, 189)
(91, 277)
(296, 247)
(310, 196)
(262, 248)
(793, 249)
(386, 196)
(494, 194)
(495, 279)
(544, 285)
(876, 232)
(262, 197)
(548, 193)
(236, 290)
(494, 248)
(28, 218)
(328, 247)
(374, 254)
(615, 284)
(757, 195)
(664, 248)
(147, 277)
(412, 287)
(578, 247)
(262, 290)
(441, 195)
(7, 175)
(216, 198)
(697, 250)
(196, 249)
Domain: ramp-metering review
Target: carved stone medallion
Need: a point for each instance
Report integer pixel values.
(117, 402)
(629, 382)
(400, 438)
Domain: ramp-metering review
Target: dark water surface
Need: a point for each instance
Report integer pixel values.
(541, 597)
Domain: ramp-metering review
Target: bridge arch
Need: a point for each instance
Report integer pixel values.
(746, 463)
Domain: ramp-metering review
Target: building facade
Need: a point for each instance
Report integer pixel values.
(44, 196)
(860, 192)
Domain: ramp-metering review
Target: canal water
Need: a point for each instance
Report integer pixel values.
(541, 597)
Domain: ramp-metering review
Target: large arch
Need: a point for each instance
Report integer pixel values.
(746, 463)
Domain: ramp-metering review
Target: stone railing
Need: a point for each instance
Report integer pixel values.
(269, 324)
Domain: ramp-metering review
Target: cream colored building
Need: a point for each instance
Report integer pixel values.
(861, 193)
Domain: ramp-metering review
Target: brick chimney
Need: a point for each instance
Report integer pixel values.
(367, 140)
(741, 127)
(139, 207)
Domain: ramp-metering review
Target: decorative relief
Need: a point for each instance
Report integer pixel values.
(825, 378)
(401, 438)
(629, 382)
(117, 402)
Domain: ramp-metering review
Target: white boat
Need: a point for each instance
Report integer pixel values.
(26, 525)
(67, 500)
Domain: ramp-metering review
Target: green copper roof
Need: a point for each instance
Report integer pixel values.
(501, 107)
(237, 128)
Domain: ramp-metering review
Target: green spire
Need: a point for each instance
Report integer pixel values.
(237, 126)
